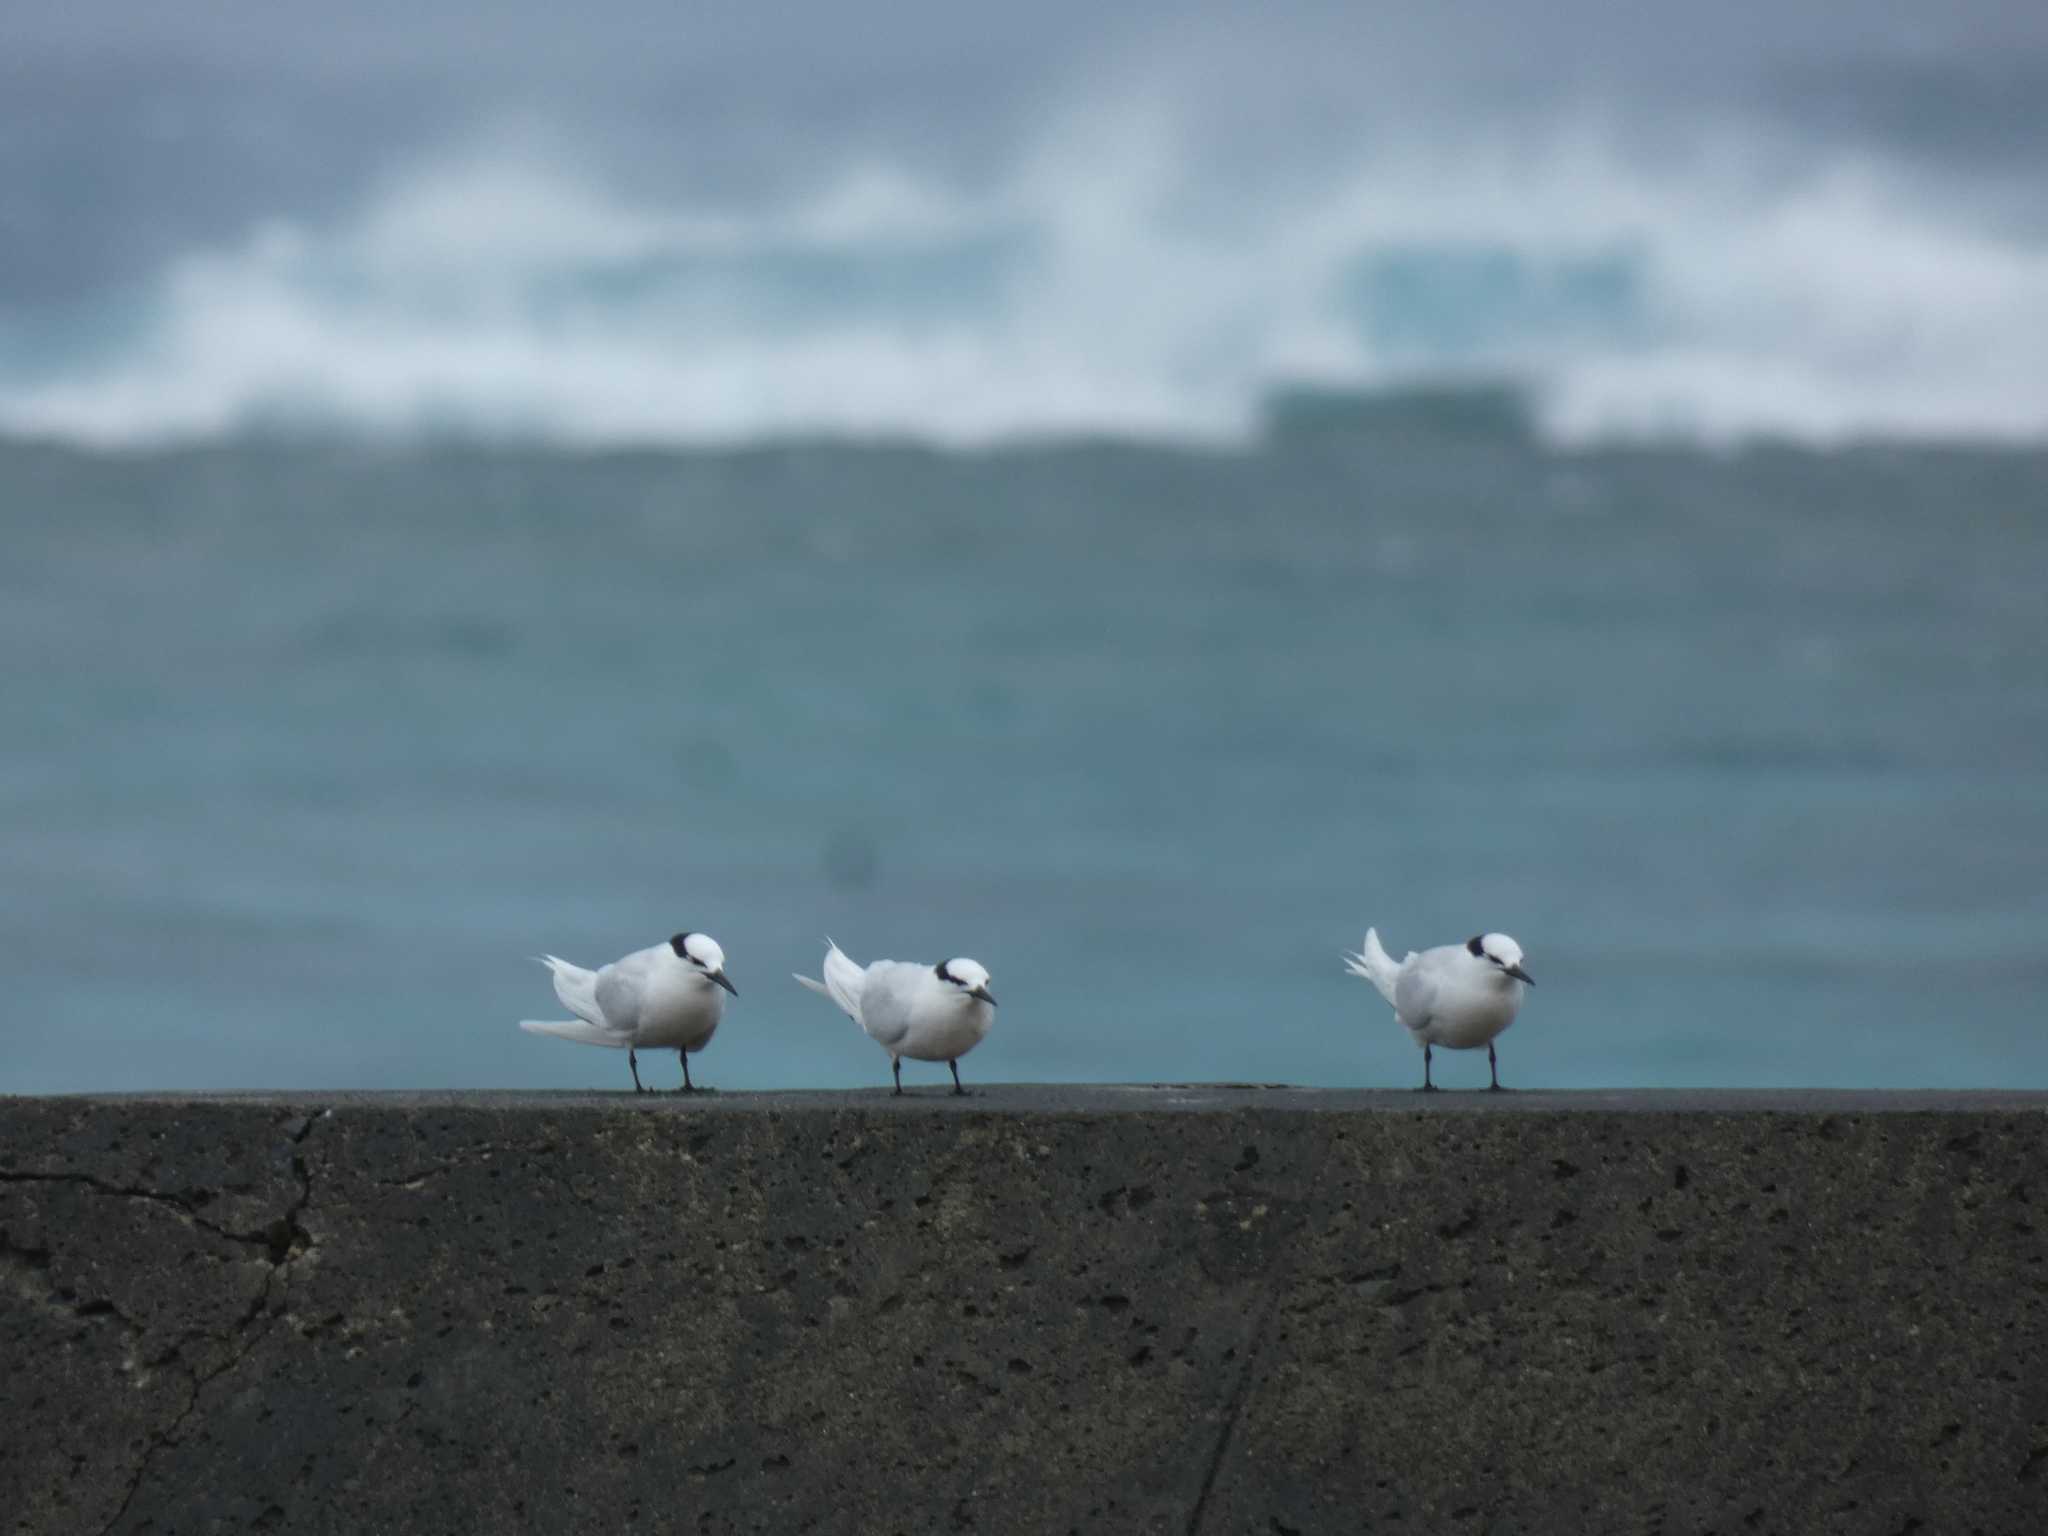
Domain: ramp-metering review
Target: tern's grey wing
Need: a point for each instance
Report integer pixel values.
(620, 987)
(1414, 994)
(887, 999)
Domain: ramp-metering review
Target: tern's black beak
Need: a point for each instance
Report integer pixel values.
(983, 994)
(1522, 976)
(720, 978)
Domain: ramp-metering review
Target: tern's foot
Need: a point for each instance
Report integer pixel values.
(1429, 1088)
(1499, 1088)
(962, 1093)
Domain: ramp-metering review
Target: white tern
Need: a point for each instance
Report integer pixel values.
(926, 1012)
(666, 996)
(1458, 996)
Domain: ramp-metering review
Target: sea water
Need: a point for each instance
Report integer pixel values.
(310, 747)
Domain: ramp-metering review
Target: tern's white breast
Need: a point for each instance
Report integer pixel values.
(1469, 1013)
(680, 1010)
(946, 1029)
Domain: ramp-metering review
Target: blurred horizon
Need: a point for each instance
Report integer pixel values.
(975, 225)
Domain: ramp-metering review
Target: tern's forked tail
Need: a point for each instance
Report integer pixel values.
(576, 987)
(843, 982)
(577, 1030)
(1374, 964)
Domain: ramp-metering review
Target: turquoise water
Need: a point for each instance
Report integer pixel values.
(308, 748)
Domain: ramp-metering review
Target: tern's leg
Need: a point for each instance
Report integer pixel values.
(896, 1066)
(634, 1062)
(962, 1092)
(1494, 1068)
(684, 1058)
(1427, 1085)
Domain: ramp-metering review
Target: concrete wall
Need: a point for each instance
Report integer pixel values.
(1034, 1310)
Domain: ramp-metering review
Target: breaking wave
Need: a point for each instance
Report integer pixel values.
(504, 290)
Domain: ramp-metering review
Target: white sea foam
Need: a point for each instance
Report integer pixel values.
(1101, 286)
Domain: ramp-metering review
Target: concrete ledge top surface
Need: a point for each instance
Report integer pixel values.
(1132, 1098)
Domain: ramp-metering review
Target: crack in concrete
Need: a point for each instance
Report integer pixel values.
(1233, 1409)
(1274, 1281)
(185, 1203)
(283, 1251)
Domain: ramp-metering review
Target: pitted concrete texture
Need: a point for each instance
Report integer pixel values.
(1174, 1309)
